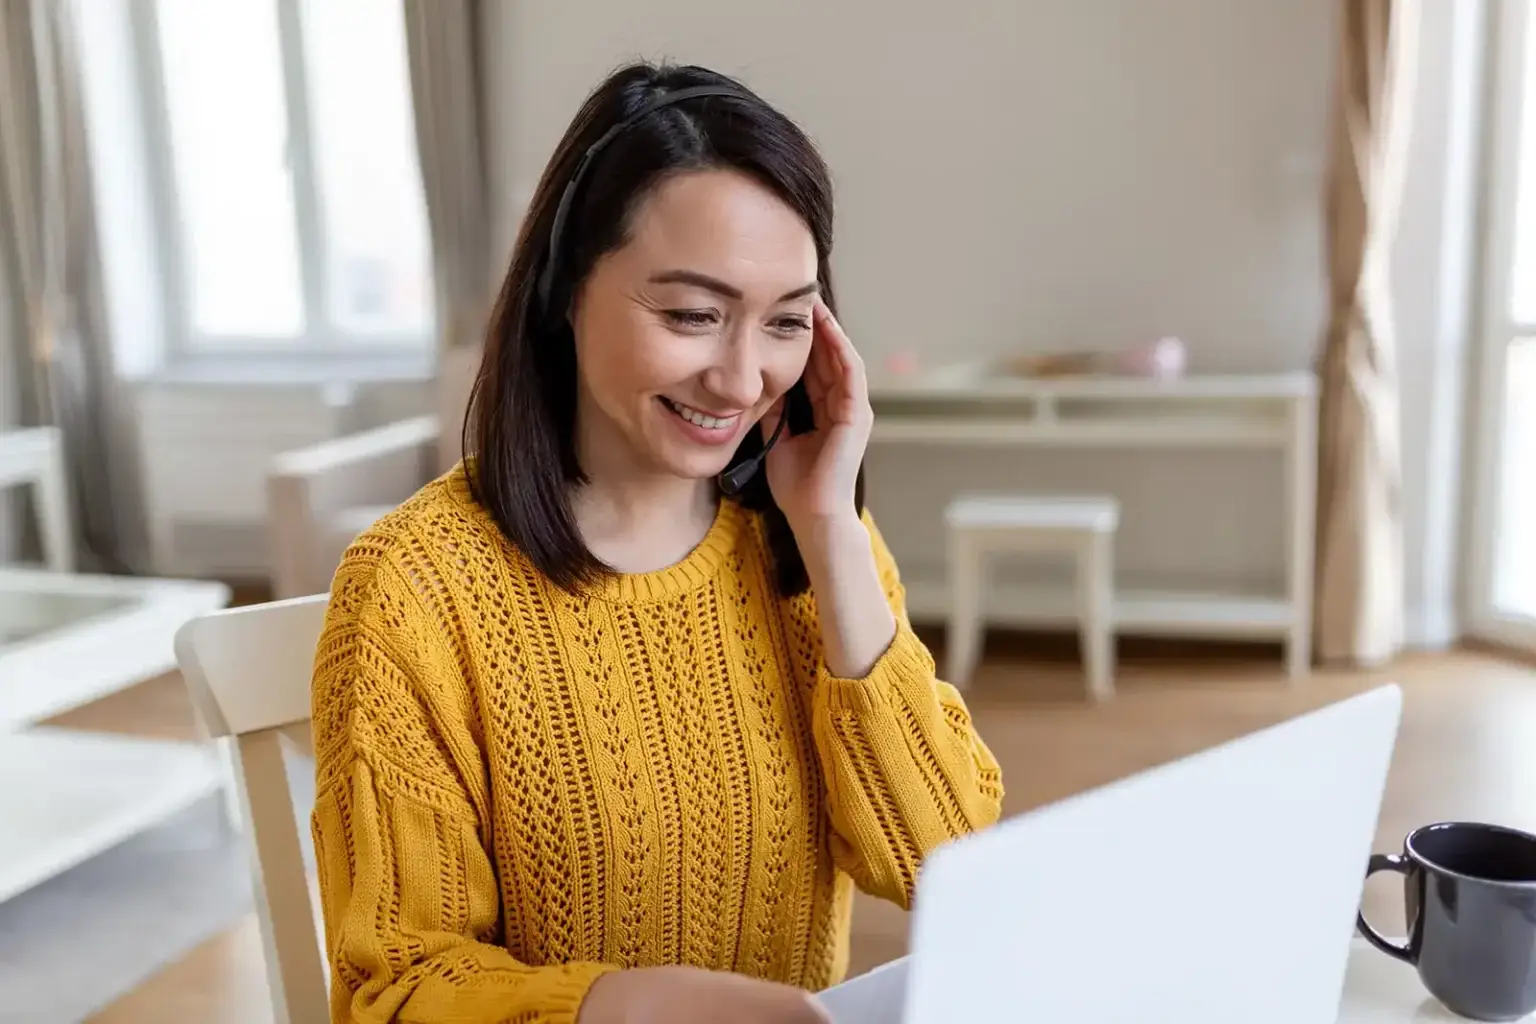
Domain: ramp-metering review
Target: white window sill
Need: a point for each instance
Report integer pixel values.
(286, 369)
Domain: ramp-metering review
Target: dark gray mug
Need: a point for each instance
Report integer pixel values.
(1470, 891)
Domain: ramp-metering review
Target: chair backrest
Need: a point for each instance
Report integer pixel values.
(35, 457)
(248, 672)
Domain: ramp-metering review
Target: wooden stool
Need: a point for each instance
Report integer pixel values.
(979, 525)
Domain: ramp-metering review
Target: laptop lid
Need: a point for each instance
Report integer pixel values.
(1216, 888)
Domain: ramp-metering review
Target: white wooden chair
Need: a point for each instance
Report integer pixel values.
(979, 525)
(321, 497)
(248, 673)
(35, 457)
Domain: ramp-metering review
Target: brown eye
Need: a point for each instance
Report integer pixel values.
(790, 325)
(692, 318)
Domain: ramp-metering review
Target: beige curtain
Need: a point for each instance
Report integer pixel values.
(1358, 601)
(47, 208)
(446, 83)
(16, 384)
(15, 366)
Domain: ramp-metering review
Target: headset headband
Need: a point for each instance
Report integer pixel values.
(563, 210)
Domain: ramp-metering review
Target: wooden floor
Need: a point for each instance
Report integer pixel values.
(1467, 749)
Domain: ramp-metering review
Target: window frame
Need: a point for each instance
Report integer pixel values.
(1511, 21)
(320, 337)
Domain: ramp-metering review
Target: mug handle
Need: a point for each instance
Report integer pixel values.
(1384, 862)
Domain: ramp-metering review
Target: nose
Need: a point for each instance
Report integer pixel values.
(737, 378)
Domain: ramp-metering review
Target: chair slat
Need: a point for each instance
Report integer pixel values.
(248, 671)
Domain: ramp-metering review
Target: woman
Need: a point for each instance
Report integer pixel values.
(608, 720)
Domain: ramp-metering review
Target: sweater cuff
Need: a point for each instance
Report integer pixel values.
(567, 989)
(905, 659)
(512, 991)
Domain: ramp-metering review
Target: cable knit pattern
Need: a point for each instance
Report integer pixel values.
(520, 788)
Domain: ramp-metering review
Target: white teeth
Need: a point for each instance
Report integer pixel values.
(699, 419)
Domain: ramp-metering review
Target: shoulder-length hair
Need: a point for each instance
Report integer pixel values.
(519, 431)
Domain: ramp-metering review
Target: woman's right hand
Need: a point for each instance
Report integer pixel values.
(689, 995)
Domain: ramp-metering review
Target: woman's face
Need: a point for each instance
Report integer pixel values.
(689, 332)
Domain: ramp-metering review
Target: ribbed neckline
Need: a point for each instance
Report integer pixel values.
(698, 567)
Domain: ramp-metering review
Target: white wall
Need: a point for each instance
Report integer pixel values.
(1014, 176)
(1056, 172)
(1062, 173)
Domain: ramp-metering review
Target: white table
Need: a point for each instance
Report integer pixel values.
(66, 640)
(1381, 990)
(966, 407)
(1377, 990)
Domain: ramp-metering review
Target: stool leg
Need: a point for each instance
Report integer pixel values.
(963, 642)
(1096, 597)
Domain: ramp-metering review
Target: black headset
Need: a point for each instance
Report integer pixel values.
(735, 479)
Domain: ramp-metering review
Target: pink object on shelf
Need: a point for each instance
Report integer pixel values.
(1163, 358)
(901, 364)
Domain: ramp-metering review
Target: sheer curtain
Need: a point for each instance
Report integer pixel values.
(47, 209)
(447, 94)
(1358, 601)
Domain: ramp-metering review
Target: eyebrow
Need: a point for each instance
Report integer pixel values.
(719, 287)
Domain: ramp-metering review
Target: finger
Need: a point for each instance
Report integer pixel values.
(830, 395)
(837, 342)
(821, 369)
(850, 366)
(829, 343)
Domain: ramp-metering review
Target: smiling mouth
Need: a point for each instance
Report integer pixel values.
(700, 419)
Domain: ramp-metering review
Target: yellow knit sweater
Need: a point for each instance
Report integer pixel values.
(519, 789)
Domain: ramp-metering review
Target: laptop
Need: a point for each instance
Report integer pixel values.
(1217, 888)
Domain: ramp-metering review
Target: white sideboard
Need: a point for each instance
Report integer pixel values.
(966, 407)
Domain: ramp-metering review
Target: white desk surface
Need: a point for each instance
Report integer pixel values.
(1377, 990)
(1381, 990)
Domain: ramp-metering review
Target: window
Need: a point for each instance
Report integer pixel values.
(1514, 575)
(1504, 533)
(286, 180)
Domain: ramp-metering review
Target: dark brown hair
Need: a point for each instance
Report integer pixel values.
(519, 432)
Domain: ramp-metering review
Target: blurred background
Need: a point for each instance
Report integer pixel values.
(1258, 276)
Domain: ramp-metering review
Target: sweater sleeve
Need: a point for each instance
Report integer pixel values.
(905, 768)
(408, 890)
